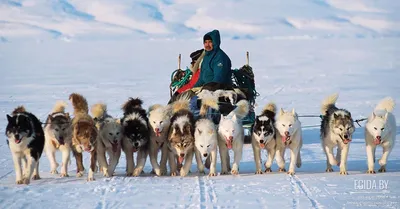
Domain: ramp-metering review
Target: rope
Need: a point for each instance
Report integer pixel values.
(310, 116)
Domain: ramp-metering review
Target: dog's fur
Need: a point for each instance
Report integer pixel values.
(337, 128)
(58, 136)
(136, 135)
(206, 136)
(288, 135)
(264, 137)
(84, 135)
(108, 139)
(26, 142)
(231, 136)
(181, 137)
(380, 130)
(159, 119)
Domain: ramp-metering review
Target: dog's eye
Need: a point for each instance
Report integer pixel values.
(58, 130)
(110, 134)
(63, 129)
(161, 122)
(154, 122)
(348, 128)
(283, 125)
(290, 125)
(382, 129)
(209, 145)
(341, 129)
(201, 146)
(117, 133)
(375, 128)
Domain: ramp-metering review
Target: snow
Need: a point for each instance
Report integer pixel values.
(300, 51)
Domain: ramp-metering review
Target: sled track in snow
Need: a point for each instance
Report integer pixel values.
(208, 197)
(294, 180)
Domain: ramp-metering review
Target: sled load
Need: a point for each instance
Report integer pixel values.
(243, 86)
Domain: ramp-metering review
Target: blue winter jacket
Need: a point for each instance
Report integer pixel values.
(216, 65)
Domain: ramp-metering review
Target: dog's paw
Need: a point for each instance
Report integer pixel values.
(371, 172)
(54, 172)
(163, 172)
(382, 170)
(21, 181)
(26, 181)
(137, 172)
(343, 173)
(282, 170)
(234, 172)
(381, 162)
(259, 172)
(35, 177)
(79, 174)
(129, 174)
(328, 170)
(291, 173)
(90, 179)
(173, 173)
(64, 175)
(183, 173)
(224, 172)
(212, 174)
(268, 170)
(156, 172)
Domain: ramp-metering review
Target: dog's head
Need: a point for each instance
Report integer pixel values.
(158, 119)
(135, 130)
(205, 136)
(378, 127)
(181, 137)
(19, 128)
(84, 135)
(229, 128)
(59, 124)
(287, 124)
(263, 130)
(343, 125)
(111, 132)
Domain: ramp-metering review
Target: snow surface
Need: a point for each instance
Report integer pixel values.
(301, 51)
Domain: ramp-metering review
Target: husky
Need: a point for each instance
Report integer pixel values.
(136, 135)
(380, 130)
(108, 139)
(180, 139)
(159, 117)
(231, 136)
(84, 135)
(58, 136)
(26, 142)
(206, 137)
(337, 128)
(288, 135)
(264, 137)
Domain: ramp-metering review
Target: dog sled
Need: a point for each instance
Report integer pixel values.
(243, 85)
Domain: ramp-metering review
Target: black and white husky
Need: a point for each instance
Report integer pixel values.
(26, 142)
(264, 137)
(337, 128)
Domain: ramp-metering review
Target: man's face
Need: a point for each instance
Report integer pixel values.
(208, 45)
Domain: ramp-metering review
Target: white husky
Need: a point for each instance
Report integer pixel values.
(108, 140)
(231, 136)
(289, 135)
(380, 130)
(159, 117)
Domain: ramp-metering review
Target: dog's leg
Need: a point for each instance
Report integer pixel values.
(382, 162)
(224, 155)
(294, 152)
(164, 158)
(370, 157)
(114, 159)
(343, 160)
(330, 159)
(66, 152)
(200, 165)
(130, 164)
(153, 159)
(188, 163)
(141, 161)
(79, 164)
(271, 155)
(36, 175)
(31, 164)
(101, 157)
(17, 168)
(238, 151)
(280, 158)
(172, 163)
(338, 155)
(53, 162)
(93, 160)
(257, 156)
(213, 166)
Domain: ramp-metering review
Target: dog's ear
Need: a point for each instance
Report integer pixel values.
(49, 118)
(200, 132)
(386, 115)
(336, 116)
(281, 112)
(234, 118)
(293, 112)
(118, 121)
(221, 118)
(9, 118)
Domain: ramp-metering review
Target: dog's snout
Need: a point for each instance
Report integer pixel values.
(378, 137)
(136, 144)
(346, 136)
(230, 137)
(261, 141)
(287, 133)
(61, 138)
(205, 154)
(182, 155)
(115, 141)
(157, 130)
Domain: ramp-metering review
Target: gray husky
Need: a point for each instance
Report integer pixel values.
(337, 128)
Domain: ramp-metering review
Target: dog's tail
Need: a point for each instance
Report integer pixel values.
(79, 103)
(154, 107)
(60, 106)
(208, 99)
(269, 110)
(181, 104)
(98, 110)
(132, 104)
(386, 104)
(328, 103)
(19, 109)
(242, 109)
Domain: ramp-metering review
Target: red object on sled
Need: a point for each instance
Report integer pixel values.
(191, 83)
